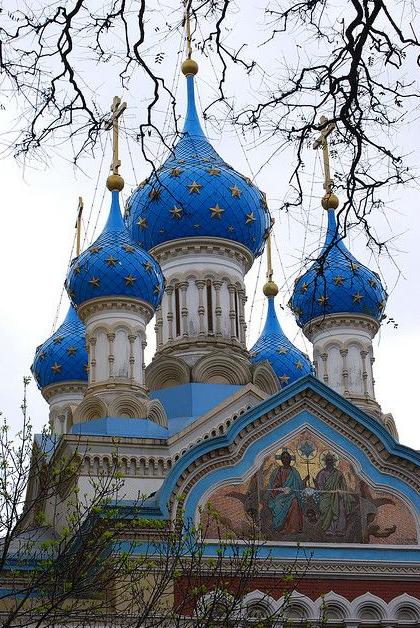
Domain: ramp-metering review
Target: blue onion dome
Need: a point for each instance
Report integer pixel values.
(195, 194)
(337, 283)
(63, 357)
(113, 266)
(287, 361)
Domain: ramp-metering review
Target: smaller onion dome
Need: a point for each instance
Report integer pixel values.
(63, 357)
(287, 361)
(337, 283)
(114, 266)
(196, 194)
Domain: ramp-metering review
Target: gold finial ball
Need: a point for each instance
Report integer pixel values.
(189, 67)
(330, 201)
(115, 183)
(270, 289)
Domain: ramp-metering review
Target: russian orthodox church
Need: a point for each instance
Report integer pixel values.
(299, 451)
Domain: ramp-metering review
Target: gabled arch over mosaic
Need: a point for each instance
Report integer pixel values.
(347, 481)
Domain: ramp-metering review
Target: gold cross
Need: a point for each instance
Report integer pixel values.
(79, 225)
(322, 141)
(269, 262)
(117, 108)
(187, 4)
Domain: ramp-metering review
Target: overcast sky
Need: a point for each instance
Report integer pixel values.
(38, 216)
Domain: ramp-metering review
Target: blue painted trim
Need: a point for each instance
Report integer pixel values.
(305, 383)
(343, 553)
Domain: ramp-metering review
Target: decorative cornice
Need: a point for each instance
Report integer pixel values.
(202, 343)
(64, 388)
(332, 321)
(214, 246)
(125, 304)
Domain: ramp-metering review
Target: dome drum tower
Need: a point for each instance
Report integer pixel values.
(343, 356)
(203, 306)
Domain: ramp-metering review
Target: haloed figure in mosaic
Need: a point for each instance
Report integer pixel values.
(335, 501)
(284, 496)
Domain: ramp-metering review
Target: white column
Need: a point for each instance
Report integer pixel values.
(184, 309)
(218, 310)
(200, 283)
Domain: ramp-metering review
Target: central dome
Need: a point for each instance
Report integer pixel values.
(195, 194)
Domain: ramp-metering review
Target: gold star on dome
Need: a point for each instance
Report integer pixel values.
(94, 282)
(231, 228)
(194, 187)
(95, 249)
(156, 289)
(154, 194)
(216, 211)
(128, 248)
(284, 379)
(71, 294)
(248, 180)
(299, 365)
(282, 350)
(71, 350)
(176, 212)
(58, 340)
(56, 368)
(205, 159)
(147, 266)
(323, 300)
(77, 269)
(142, 223)
(181, 161)
(354, 266)
(357, 297)
(250, 218)
(42, 355)
(235, 191)
(129, 280)
(381, 305)
(372, 283)
(175, 172)
(111, 261)
(197, 225)
(304, 287)
(338, 280)
(127, 209)
(162, 230)
(142, 184)
(214, 171)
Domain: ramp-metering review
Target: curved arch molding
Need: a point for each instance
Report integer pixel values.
(370, 468)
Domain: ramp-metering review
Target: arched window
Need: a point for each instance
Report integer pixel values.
(209, 295)
(177, 312)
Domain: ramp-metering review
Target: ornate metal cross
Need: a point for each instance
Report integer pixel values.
(117, 108)
(323, 141)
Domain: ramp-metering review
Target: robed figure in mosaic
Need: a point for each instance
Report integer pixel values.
(335, 501)
(284, 496)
